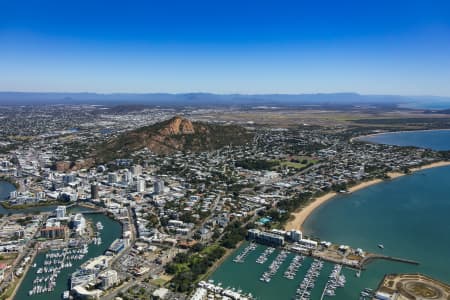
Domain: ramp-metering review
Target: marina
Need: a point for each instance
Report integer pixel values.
(304, 290)
(295, 264)
(48, 278)
(274, 266)
(240, 258)
(303, 277)
(336, 280)
(54, 262)
(265, 255)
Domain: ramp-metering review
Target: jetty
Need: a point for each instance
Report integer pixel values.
(370, 257)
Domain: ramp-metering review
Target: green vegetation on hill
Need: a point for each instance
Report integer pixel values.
(256, 164)
(168, 137)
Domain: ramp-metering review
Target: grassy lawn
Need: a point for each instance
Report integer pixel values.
(7, 258)
(159, 282)
(298, 162)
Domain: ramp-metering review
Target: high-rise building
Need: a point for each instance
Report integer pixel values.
(79, 223)
(94, 191)
(296, 235)
(128, 177)
(136, 170)
(68, 178)
(158, 187)
(13, 195)
(61, 212)
(140, 185)
(108, 279)
(112, 178)
(55, 232)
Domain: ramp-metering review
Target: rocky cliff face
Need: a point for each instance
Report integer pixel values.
(178, 125)
(176, 134)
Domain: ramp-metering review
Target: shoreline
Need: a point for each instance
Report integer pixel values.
(360, 137)
(302, 215)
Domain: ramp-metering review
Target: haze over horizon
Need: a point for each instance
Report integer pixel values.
(264, 47)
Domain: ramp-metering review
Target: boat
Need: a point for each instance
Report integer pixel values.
(66, 295)
(381, 246)
(99, 225)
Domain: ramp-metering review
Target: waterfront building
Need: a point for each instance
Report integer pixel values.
(310, 244)
(117, 246)
(83, 293)
(13, 195)
(82, 277)
(79, 223)
(295, 235)
(54, 232)
(61, 212)
(263, 237)
(57, 232)
(40, 195)
(68, 196)
(108, 279)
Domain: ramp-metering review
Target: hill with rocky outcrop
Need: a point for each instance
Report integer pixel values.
(176, 134)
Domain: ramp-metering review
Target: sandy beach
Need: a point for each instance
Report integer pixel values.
(301, 216)
(361, 137)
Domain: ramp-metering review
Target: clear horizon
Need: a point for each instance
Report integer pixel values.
(264, 47)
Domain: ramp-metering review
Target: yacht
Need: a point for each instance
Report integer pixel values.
(99, 225)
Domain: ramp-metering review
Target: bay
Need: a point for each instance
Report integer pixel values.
(431, 139)
(408, 215)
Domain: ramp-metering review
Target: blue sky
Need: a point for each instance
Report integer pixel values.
(370, 47)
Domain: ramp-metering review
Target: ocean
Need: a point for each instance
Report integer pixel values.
(430, 139)
(408, 215)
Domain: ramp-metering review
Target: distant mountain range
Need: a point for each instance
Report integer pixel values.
(206, 99)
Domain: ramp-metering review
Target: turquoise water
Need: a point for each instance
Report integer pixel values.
(245, 276)
(112, 230)
(431, 139)
(409, 215)
(5, 189)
